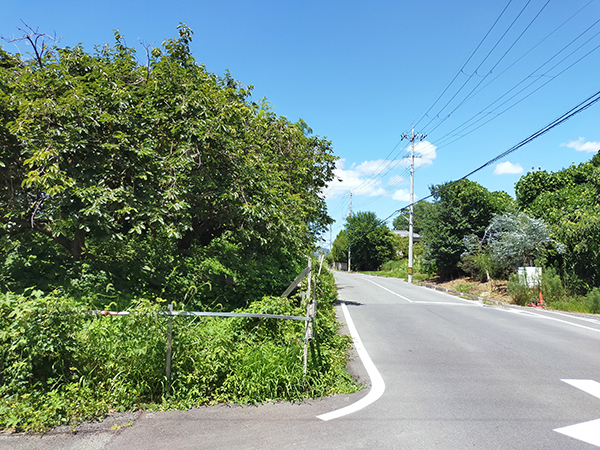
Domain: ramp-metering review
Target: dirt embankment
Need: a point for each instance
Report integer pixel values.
(494, 289)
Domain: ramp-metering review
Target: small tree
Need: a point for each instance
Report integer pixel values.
(515, 239)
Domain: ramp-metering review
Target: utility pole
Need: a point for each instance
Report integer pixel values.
(412, 137)
(349, 215)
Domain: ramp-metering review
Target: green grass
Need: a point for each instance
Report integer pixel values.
(397, 269)
(61, 366)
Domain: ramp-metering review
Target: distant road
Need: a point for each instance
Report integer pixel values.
(457, 375)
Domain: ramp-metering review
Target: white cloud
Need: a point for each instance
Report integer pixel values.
(355, 180)
(508, 168)
(581, 146)
(402, 195)
(426, 152)
(396, 179)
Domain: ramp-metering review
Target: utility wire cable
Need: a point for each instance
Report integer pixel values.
(482, 113)
(425, 129)
(443, 141)
(528, 52)
(471, 94)
(580, 107)
(426, 114)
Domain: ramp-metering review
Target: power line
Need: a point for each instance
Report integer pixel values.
(463, 66)
(580, 107)
(470, 94)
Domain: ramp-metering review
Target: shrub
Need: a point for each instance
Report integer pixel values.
(593, 300)
(552, 287)
(61, 366)
(520, 294)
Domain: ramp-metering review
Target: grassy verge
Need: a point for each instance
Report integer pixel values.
(59, 365)
(397, 269)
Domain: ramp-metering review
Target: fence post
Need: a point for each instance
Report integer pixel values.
(169, 341)
(307, 327)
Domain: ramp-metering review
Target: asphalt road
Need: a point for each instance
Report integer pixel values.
(456, 375)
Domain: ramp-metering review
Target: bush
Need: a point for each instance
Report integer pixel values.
(593, 300)
(61, 366)
(552, 287)
(520, 294)
(480, 266)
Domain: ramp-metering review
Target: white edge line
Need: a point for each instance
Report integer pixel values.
(377, 383)
(542, 316)
(467, 302)
(391, 292)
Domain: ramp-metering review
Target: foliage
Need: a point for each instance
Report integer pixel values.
(459, 209)
(152, 177)
(61, 366)
(420, 211)
(480, 265)
(568, 201)
(399, 269)
(512, 239)
(401, 244)
(371, 242)
(515, 239)
(552, 288)
(339, 249)
(520, 293)
(593, 300)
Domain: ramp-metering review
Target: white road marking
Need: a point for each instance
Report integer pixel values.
(467, 302)
(588, 386)
(542, 316)
(586, 431)
(471, 303)
(391, 292)
(377, 383)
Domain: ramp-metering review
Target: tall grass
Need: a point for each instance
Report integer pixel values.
(59, 365)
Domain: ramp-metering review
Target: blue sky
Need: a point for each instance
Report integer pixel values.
(361, 73)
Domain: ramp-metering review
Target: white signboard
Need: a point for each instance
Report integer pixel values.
(530, 276)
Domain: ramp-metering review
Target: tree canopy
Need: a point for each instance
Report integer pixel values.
(153, 165)
(569, 202)
(371, 241)
(459, 209)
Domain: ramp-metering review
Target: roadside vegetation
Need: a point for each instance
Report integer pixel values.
(128, 185)
(61, 366)
(474, 240)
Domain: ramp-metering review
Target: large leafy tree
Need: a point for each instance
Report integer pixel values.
(420, 210)
(371, 241)
(459, 209)
(98, 148)
(569, 202)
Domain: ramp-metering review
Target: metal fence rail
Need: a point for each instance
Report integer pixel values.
(311, 312)
(99, 312)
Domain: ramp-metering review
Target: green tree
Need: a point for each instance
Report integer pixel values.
(569, 202)
(515, 239)
(163, 167)
(420, 210)
(371, 242)
(459, 209)
(339, 249)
